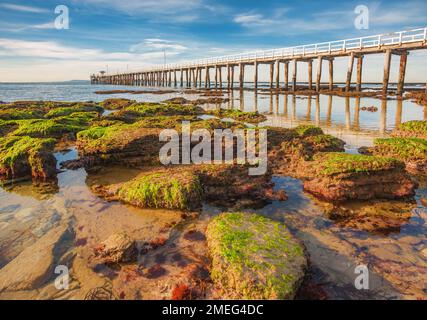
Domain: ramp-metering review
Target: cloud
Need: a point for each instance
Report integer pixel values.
(148, 5)
(52, 50)
(284, 21)
(21, 8)
(157, 44)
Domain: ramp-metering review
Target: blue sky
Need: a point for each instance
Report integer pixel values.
(134, 34)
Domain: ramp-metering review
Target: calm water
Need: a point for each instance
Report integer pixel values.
(396, 259)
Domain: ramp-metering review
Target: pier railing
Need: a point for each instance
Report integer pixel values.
(381, 40)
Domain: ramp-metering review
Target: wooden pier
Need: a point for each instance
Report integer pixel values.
(191, 73)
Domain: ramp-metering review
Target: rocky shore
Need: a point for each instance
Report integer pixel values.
(235, 255)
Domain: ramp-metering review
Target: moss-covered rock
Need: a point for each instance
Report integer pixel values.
(116, 103)
(139, 111)
(66, 111)
(254, 257)
(412, 151)
(336, 176)
(290, 157)
(56, 127)
(26, 157)
(119, 143)
(19, 114)
(414, 129)
(335, 163)
(171, 189)
(7, 126)
(308, 130)
(250, 117)
(157, 109)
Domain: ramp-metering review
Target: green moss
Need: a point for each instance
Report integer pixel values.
(401, 148)
(165, 189)
(116, 103)
(250, 117)
(55, 127)
(254, 257)
(66, 111)
(308, 130)
(325, 142)
(332, 163)
(7, 126)
(18, 114)
(416, 126)
(156, 109)
(15, 151)
(211, 124)
(166, 122)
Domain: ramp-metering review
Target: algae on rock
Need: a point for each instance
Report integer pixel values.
(254, 257)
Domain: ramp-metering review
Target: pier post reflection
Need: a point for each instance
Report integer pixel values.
(255, 100)
(383, 116)
(347, 113)
(294, 107)
(356, 122)
(285, 106)
(317, 118)
(329, 111)
(308, 114)
(242, 100)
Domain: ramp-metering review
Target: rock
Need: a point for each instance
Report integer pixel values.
(412, 151)
(232, 186)
(116, 103)
(250, 117)
(254, 257)
(175, 188)
(411, 129)
(114, 144)
(27, 157)
(342, 176)
(34, 266)
(119, 247)
(289, 158)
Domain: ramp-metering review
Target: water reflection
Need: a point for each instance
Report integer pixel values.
(357, 120)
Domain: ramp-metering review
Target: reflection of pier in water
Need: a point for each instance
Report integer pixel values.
(346, 117)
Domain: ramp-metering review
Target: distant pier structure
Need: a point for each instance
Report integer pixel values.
(196, 74)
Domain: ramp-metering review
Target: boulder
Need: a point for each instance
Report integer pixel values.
(118, 247)
(335, 176)
(254, 257)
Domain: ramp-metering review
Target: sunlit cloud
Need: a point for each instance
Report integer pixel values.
(22, 8)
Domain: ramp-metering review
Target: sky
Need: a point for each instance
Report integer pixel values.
(117, 35)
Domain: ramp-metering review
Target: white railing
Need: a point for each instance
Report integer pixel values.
(380, 40)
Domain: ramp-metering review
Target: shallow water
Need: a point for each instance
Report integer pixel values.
(395, 254)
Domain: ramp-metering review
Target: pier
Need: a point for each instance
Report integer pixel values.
(190, 74)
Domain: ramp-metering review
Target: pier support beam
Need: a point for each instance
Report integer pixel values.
(232, 77)
(220, 77)
(386, 77)
(271, 75)
(331, 74)
(359, 73)
(286, 75)
(278, 74)
(294, 76)
(402, 72)
(349, 72)
(256, 75)
(319, 72)
(310, 74)
(242, 76)
(207, 84)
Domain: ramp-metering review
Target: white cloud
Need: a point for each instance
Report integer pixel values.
(149, 45)
(21, 8)
(158, 7)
